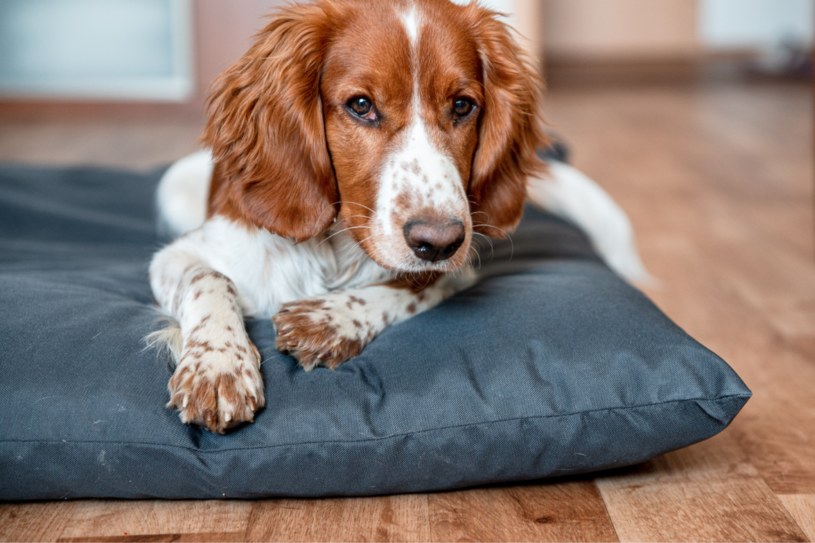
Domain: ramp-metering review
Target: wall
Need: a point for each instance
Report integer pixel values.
(670, 29)
(620, 29)
(746, 24)
(224, 31)
(120, 49)
(524, 16)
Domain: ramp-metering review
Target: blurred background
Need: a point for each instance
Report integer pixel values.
(167, 51)
(151, 61)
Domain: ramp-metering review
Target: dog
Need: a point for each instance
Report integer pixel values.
(353, 154)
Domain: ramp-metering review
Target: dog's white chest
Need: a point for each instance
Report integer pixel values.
(269, 270)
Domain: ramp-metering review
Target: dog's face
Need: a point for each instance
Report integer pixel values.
(402, 127)
(414, 122)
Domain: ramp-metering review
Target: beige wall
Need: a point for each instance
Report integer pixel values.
(223, 31)
(526, 18)
(620, 29)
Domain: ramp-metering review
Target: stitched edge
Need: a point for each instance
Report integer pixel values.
(744, 396)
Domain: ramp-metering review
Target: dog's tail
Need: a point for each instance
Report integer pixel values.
(571, 195)
(182, 194)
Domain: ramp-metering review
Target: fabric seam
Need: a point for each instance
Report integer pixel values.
(375, 439)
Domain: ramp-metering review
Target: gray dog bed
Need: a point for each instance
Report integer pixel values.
(550, 366)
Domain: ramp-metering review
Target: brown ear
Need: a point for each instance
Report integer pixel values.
(510, 131)
(265, 129)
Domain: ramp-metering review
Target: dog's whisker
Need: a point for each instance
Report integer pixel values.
(474, 253)
(479, 236)
(505, 234)
(342, 231)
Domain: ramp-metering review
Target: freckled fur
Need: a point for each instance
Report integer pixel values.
(307, 205)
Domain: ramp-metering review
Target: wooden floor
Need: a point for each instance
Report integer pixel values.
(719, 185)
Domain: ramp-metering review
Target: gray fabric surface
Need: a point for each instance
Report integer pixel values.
(550, 366)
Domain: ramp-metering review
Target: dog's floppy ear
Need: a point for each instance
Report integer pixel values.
(265, 129)
(511, 130)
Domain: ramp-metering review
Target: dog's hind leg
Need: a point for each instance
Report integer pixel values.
(570, 194)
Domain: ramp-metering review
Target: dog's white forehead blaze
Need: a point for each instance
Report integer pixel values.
(418, 171)
(411, 22)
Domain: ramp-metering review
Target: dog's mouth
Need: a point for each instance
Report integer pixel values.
(418, 246)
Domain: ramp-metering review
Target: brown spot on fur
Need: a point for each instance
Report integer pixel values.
(205, 396)
(314, 341)
(226, 388)
(205, 346)
(412, 167)
(402, 204)
(200, 276)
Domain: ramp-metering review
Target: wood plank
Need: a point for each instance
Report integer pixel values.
(389, 518)
(34, 521)
(737, 510)
(708, 492)
(567, 511)
(157, 520)
(120, 141)
(802, 508)
(777, 429)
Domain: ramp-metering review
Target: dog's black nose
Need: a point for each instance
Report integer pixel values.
(432, 239)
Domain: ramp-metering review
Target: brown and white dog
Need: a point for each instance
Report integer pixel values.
(355, 151)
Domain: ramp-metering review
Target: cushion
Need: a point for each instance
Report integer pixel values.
(550, 366)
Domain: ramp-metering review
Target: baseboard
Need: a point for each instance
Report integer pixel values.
(562, 70)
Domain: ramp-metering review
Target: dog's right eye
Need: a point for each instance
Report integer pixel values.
(361, 105)
(363, 108)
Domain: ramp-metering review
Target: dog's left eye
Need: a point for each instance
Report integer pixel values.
(462, 108)
(363, 108)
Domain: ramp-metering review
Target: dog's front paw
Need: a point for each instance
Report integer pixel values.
(321, 331)
(217, 388)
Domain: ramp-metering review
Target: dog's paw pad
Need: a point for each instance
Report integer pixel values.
(320, 332)
(217, 390)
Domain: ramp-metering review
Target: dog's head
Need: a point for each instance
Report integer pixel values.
(414, 122)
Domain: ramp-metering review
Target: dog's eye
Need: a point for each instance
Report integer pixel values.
(363, 108)
(462, 108)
